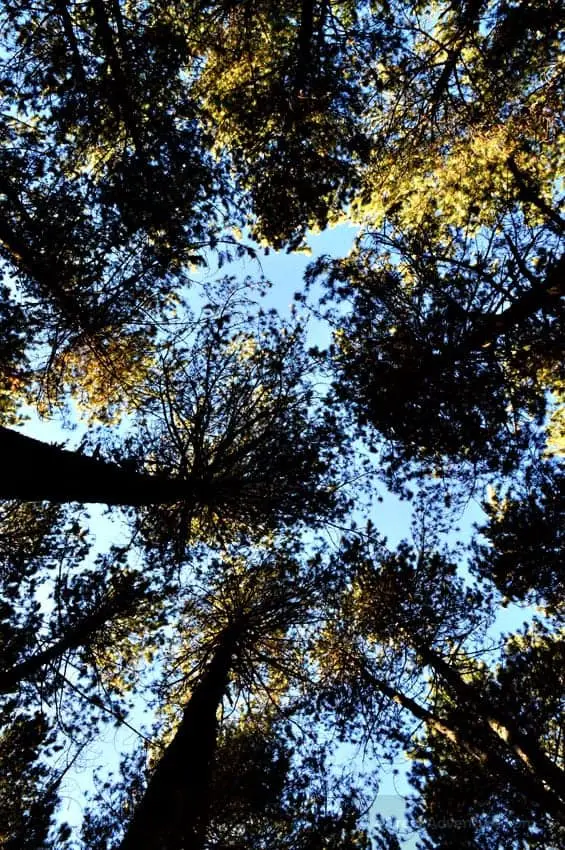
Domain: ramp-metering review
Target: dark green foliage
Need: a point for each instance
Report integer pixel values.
(107, 186)
(31, 544)
(14, 335)
(28, 792)
(435, 359)
(266, 795)
(289, 119)
(524, 551)
(449, 324)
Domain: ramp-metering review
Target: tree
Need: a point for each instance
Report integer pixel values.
(33, 542)
(173, 810)
(452, 342)
(491, 733)
(264, 792)
(108, 187)
(228, 427)
(284, 796)
(489, 809)
(289, 118)
(80, 634)
(76, 628)
(442, 363)
(237, 636)
(105, 96)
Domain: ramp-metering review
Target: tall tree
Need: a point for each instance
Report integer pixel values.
(265, 791)
(489, 809)
(443, 362)
(227, 429)
(246, 619)
(174, 807)
(453, 340)
(108, 189)
(409, 616)
(75, 627)
(137, 138)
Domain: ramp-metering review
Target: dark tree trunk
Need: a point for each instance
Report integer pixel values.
(79, 634)
(524, 747)
(546, 295)
(33, 471)
(119, 95)
(173, 812)
(485, 748)
(305, 34)
(68, 29)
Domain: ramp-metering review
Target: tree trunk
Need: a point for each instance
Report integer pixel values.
(304, 58)
(68, 29)
(77, 635)
(118, 92)
(483, 749)
(33, 471)
(173, 812)
(523, 745)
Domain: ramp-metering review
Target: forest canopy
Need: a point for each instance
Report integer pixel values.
(203, 566)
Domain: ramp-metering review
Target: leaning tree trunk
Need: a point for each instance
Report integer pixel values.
(523, 746)
(76, 635)
(173, 812)
(34, 471)
(484, 748)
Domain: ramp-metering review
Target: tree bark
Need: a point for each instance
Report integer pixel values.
(523, 746)
(119, 94)
(77, 635)
(173, 812)
(546, 294)
(304, 58)
(68, 29)
(33, 471)
(478, 747)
